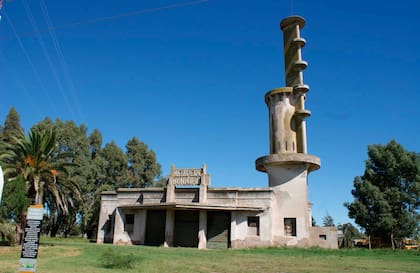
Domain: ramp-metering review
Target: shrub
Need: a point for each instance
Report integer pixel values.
(7, 233)
(113, 259)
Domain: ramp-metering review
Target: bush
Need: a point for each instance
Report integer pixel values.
(7, 233)
(112, 259)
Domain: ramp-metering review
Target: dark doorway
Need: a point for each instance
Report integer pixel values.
(186, 228)
(218, 229)
(108, 228)
(155, 227)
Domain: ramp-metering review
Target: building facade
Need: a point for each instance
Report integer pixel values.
(189, 213)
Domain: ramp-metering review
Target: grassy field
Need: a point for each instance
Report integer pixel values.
(79, 256)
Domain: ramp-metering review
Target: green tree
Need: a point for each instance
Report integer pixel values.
(95, 179)
(1, 133)
(115, 165)
(328, 221)
(12, 127)
(15, 201)
(350, 233)
(95, 142)
(143, 168)
(386, 197)
(34, 157)
(71, 139)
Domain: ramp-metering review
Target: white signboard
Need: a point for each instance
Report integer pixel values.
(186, 176)
(27, 262)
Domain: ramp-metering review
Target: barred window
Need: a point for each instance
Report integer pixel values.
(253, 225)
(290, 226)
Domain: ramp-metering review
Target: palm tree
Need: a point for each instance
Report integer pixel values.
(36, 158)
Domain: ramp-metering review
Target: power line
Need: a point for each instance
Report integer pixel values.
(48, 58)
(20, 84)
(31, 64)
(113, 17)
(62, 60)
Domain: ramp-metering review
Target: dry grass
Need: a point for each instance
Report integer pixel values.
(83, 257)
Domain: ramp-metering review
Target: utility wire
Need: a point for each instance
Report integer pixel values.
(19, 83)
(48, 58)
(31, 64)
(113, 17)
(63, 63)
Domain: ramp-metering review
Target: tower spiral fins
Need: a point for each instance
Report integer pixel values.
(286, 107)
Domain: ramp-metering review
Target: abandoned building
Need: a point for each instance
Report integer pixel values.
(190, 213)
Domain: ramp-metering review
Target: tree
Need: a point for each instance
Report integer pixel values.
(14, 205)
(12, 126)
(14, 202)
(328, 221)
(143, 168)
(95, 142)
(34, 157)
(71, 139)
(115, 165)
(387, 196)
(350, 233)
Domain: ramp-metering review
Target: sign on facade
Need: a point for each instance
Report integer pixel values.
(27, 262)
(186, 177)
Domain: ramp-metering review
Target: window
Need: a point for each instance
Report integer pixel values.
(129, 223)
(254, 225)
(323, 236)
(290, 226)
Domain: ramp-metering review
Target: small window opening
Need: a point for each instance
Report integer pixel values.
(322, 236)
(254, 225)
(290, 226)
(129, 223)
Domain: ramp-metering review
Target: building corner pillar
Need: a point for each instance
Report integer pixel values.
(202, 230)
(169, 228)
(118, 226)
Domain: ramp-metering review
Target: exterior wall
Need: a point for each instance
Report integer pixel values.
(139, 229)
(285, 200)
(289, 201)
(257, 197)
(325, 237)
(120, 236)
(240, 232)
(187, 195)
(111, 225)
(109, 202)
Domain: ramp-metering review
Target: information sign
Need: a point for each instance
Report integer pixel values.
(30, 244)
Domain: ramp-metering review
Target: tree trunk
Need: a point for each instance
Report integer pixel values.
(38, 195)
(20, 227)
(392, 241)
(370, 245)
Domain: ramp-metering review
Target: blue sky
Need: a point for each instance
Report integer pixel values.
(189, 77)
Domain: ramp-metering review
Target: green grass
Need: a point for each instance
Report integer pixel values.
(80, 256)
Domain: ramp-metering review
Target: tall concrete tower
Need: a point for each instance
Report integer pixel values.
(288, 163)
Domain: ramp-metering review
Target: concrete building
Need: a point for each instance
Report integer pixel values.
(189, 213)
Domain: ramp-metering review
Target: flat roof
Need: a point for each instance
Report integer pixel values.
(238, 189)
(191, 206)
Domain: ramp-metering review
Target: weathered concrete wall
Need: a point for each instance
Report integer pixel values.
(187, 195)
(290, 201)
(139, 229)
(258, 197)
(120, 236)
(325, 237)
(109, 201)
(286, 200)
(242, 235)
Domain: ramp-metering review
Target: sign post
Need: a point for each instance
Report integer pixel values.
(27, 263)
